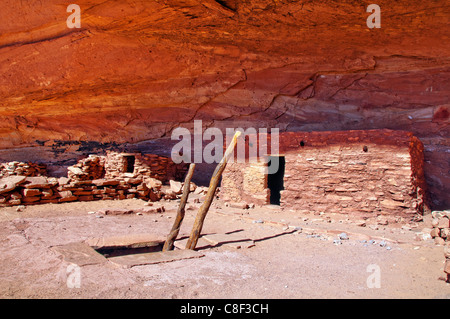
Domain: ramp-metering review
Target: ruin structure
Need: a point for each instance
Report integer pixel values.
(113, 176)
(351, 172)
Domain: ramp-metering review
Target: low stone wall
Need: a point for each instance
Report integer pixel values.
(17, 190)
(21, 168)
(94, 178)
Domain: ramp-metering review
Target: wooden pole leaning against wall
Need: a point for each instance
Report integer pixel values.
(168, 245)
(198, 223)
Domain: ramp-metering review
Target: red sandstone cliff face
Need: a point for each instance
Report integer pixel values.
(137, 69)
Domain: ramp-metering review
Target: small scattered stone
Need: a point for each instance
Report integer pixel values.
(447, 267)
(443, 222)
(434, 222)
(343, 236)
(361, 223)
(239, 205)
(435, 232)
(298, 229)
(382, 221)
(423, 236)
(175, 186)
(447, 251)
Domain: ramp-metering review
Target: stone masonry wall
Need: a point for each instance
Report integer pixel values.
(17, 190)
(347, 179)
(350, 172)
(147, 165)
(94, 178)
(245, 182)
(21, 168)
(92, 167)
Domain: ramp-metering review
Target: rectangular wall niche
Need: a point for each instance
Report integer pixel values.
(374, 171)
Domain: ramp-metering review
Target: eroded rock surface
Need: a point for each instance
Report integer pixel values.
(136, 70)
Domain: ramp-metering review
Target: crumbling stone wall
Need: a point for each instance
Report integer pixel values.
(148, 165)
(92, 167)
(16, 190)
(95, 178)
(351, 172)
(21, 168)
(114, 166)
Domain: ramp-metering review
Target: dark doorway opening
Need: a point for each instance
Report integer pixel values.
(129, 161)
(275, 181)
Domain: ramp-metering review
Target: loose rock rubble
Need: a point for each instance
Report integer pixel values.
(93, 178)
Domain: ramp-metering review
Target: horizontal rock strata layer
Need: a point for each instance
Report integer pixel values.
(136, 70)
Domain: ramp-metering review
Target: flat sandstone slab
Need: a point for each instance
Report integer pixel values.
(9, 183)
(128, 261)
(80, 254)
(125, 241)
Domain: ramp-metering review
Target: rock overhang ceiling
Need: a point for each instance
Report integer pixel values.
(136, 70)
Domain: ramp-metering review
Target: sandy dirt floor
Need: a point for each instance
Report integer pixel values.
(295, 255)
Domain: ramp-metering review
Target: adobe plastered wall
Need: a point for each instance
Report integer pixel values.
(351, 172)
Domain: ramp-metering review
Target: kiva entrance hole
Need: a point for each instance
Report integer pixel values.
(122, 251)
(126, 245)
